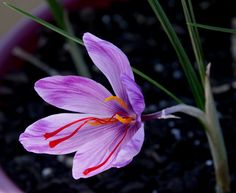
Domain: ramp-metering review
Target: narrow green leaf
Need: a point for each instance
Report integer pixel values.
(196, 30)
(196, 86)
(57, 12)
(77, 40)
(213, 28)
(45, 24)
(194, 36)
(144, 76)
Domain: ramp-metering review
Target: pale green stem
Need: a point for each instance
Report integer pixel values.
(22, 54)
(219, 156)
(167, 113)
(213, 131)
(216, 141)
(63, 22)
(75, 51)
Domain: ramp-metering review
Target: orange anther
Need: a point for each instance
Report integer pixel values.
(125, 120)
(119, 100)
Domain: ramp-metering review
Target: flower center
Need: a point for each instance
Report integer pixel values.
(93, 121)
(121, 117)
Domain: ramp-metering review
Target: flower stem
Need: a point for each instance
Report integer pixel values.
(22, 54)
(213, 131)
(216, 140)
(219, 156)
(183, 108)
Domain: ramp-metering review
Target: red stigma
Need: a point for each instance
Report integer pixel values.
(51, 134)
(93, 122)
(88, 120)
(91, 169)
(57, 141)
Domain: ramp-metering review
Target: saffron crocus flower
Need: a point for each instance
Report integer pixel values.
(107, 130)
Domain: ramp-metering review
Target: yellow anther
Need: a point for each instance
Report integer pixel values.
(125, 120)
(119, 100)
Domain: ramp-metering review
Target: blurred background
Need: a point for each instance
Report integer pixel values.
(11, 16)
(175, 157)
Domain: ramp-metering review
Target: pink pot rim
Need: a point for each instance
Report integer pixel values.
(21, 34)
(18, 34)
(6, 185)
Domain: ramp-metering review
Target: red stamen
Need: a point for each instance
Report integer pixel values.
(88, 170)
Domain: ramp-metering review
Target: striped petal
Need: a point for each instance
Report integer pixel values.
(66, 133)
(129, 150)
(134, 93)
(110, 60)
(120, 149)
(75, 93)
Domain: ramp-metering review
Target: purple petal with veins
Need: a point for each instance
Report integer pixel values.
(105, 131)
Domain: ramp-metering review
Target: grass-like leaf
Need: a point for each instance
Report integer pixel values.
(196, 86)
(77, 40)
(213, 28)
(57, 12)
(158, 85)
(194, 36)
(44, 23)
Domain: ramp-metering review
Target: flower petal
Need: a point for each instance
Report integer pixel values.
(75, 93)
(134, 93)
(129, 150)
(98, 150)
(110, 60)
(98, 154)
(33, 139)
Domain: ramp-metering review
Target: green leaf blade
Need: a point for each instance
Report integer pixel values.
(45, 24)
(156, 84)
(213, 28)
(57, 12)
(196, 86)
(79, 41)
(194, 36)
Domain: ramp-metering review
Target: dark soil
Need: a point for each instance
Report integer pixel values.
(175, 157)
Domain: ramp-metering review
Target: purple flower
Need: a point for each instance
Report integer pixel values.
(107, 130)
